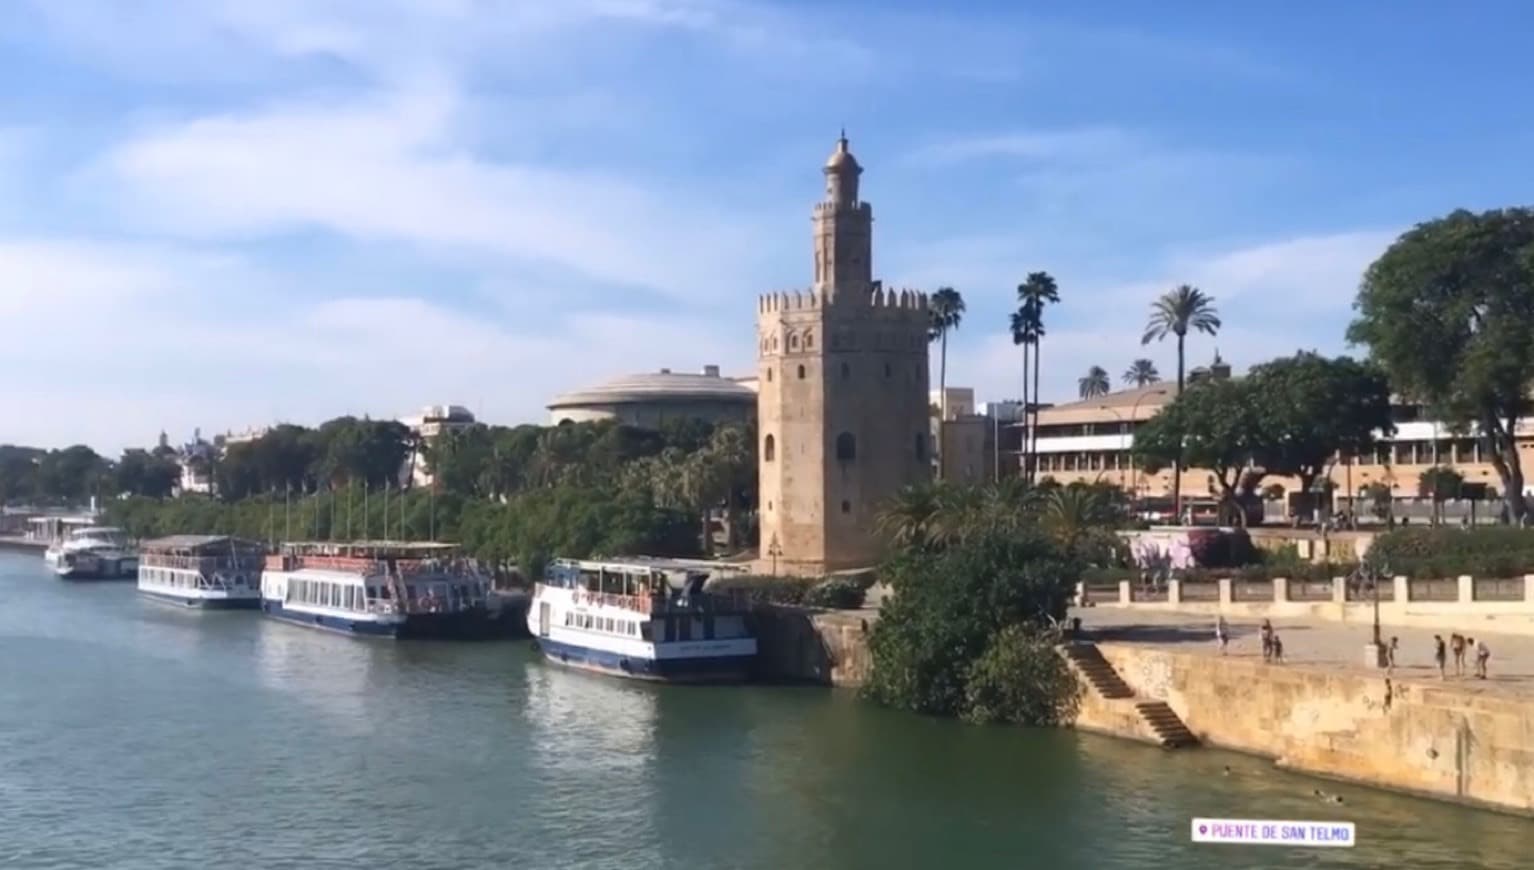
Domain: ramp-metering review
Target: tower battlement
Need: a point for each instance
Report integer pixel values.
(892, 302)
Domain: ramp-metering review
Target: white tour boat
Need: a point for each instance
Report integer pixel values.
(380, 588)
(207, 571)
(93, 553)
(643, 619)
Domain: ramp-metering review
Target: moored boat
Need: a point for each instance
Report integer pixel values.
(93, 553)
(387, 589)
(203, 571)
(644, 619)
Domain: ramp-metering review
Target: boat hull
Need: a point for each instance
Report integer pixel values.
(104, 570)
(702, 669)
(193, 602)
(465, 625)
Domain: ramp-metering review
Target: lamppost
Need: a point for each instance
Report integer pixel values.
(1128, 441)
(1372, 572)
(774, 551)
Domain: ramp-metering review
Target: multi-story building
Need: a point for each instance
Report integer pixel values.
(1092, 440)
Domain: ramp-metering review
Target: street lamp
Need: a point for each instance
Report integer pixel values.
(1372, 572)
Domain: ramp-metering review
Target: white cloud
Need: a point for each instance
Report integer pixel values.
(389, 170)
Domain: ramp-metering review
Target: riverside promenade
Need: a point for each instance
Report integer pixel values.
(1320, 643)
(1323, 710)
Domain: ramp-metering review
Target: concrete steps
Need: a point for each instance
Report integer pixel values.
(1169, 729)
(1101, 675)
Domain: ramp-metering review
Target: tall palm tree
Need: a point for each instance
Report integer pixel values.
(1175, 313)
(1141, 373)
(1036, 292)
(946, 308)
(1024, 330)
(1094, 383)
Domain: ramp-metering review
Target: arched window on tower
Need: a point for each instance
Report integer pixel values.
(809, 341)
(793, 342)
(769, 375)
(846, 447)
(769, 449)
(801, 373)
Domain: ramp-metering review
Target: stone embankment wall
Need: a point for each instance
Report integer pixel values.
(816, 646)
(1443, 742)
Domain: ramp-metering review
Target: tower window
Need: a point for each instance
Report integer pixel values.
(793, 342)
(846, 506)
(846, 371)
(809, 340)
(774, 342)
(769, 449)
(888, 372)
(921, 447)
(801, 373)
(846, 447)
(769, 375)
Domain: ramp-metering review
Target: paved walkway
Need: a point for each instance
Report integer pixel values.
(1323, 643)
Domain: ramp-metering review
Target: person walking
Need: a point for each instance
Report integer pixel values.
(1221, 633)
(1267, 640)
(1440, 655)
(1457, 646)
(1390, 654)
(1278, 649)
(1482, 656)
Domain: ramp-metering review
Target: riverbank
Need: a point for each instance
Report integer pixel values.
(1461, 740)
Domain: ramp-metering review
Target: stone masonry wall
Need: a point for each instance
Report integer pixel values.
(1442, 742)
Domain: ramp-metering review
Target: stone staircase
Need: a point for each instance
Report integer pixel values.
(1162, 721)
(1101, 675)
(1169, 729)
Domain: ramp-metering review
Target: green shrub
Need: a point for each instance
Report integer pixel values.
(950, 605)
(835, 593)
(1021, 680)
(1433, 553)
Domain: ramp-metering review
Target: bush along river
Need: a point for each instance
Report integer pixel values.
(140, 737)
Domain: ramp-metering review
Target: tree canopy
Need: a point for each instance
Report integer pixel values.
(1448, 312)
(1311, 408)
(1214, 424)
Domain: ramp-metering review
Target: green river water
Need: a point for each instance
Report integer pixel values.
(137, 736)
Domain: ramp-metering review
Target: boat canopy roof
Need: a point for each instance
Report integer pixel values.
(55, 519)
(99, 530)
(199, 544)
(370, 549)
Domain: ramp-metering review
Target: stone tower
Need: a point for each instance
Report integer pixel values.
(842, 401)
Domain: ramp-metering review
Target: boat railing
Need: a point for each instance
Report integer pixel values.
(370, 566)
(707, 602)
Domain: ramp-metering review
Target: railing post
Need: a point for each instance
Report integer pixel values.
(1081, 592)
(1125, 596)
(1174, 591)
(1528, 589)
(1339, 590)
(1280, 590)
(1402, 588)
(1225, 596)
(1466, 589)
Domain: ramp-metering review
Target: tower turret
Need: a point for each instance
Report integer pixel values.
(843, 231)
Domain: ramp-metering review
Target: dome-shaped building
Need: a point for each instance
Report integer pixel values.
(650, 399)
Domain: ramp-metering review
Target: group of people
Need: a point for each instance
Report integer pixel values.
(1460, 646)
(1272, 644)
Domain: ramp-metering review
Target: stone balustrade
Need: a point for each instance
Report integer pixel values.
(1506, 602)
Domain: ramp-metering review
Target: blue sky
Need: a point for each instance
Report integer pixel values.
(220, 213)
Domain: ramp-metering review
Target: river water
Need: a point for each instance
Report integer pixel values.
(140, 737)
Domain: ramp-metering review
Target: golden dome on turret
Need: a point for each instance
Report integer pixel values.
(841, 160)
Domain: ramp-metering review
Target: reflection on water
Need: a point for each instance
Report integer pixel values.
(140, 737)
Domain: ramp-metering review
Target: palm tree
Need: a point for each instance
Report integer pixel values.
(1141, 373)
(1175, 313)
(1036, 292)
(907, 520)
(946, 308)
(1094, 383)
(1024, 330)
